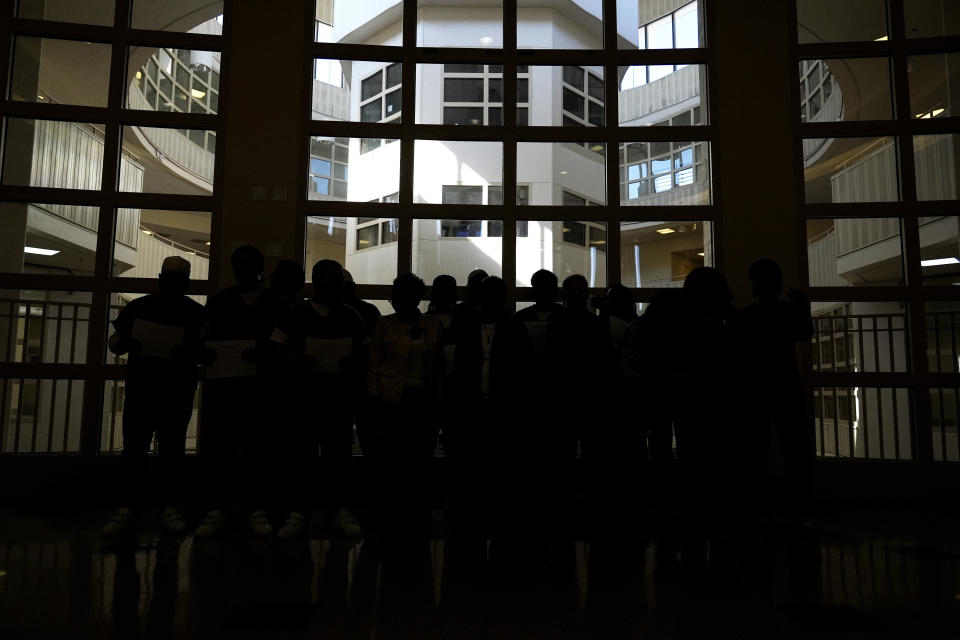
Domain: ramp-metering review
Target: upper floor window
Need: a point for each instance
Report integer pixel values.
(381, 95)
(677, 30)
(582, 97)
(473, 94)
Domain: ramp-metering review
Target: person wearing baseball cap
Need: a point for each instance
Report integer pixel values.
(160, 335)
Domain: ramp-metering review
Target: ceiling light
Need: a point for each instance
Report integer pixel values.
(880, 39)
(665, 231)
(938, 261)
(563, 173)
(700, 254)
(40, 98)
(139, 75)
(599, 242)
(937, 112)
(196, 93)
(207, 243)
(596, 147)
(486, 40)
(41, 252)
(147, 231)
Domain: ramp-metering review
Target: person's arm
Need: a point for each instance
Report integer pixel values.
(120, 341)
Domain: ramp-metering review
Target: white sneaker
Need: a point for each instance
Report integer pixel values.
(213, 522)
(293, 526)
(120, 521)
(348, 524)
(173, 521)
(259, 523)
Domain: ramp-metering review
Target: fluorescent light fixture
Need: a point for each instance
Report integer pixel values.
(880, 39)
(936, 262)
(41, 252)
(596, 147)
(139, 75)
(196, 93)
(700, 254)
(486, 40)
(937, 112)
(664, 232)
(563, 173)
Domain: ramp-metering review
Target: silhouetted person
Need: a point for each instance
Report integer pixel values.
(160, 333)
(237, 413)
(770, 329)
(403, 381)
(534, 395)
(654, 377)
(326, 342)
(287, 280)
(479, 427)
(471, 306)
(368, 312)
(443, 300)
(576, 349)
(705, 443)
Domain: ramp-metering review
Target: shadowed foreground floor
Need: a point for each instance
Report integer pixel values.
(848, 570)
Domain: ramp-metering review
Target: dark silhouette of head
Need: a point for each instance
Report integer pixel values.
(287, 279)
(545, 287)
(493, 294)
(173, 278)
(576, 291)
(443, 293)
(408, 291)
(248, 265)
(707, 287)
(473, 286)
(766, 279)
(327, 282)
(618, 302)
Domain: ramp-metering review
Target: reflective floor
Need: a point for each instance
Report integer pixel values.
(850, 570)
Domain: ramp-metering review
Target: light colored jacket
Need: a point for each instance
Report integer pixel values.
(390, 353)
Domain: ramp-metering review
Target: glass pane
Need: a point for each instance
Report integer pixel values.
(40, 415)
(937, 169)
(98, 12)
(931, 18)
(464, 94)
(370, 258)
(563, 248)
(845, 90)
(479, 25)
(440, 165)
(943, 424)
(943, 336)
(661, 254)
(58, 239)
(48, 153)
(44, 326)
(146, 237)
(38, 71)
(581, 90)
(111, 431)
(854, 252)
(553, 169)
(939, 250)
(665, 173)
(848, 21)
(379, 23)
(163, 15)
(850, 170)
(179, 161)
(679, 101)
(173, 80)
(659, 25)
(933, 80)
(455, 247)
(860, 337)
(561, 25)
(862, 422)
(353, 169)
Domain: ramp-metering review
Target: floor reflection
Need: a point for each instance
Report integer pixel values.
(468, 585)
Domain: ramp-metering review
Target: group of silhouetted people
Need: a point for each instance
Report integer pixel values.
(688, 406)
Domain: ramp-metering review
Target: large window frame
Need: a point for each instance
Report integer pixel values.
(509, 58)
(919, 380)
(96, 371)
